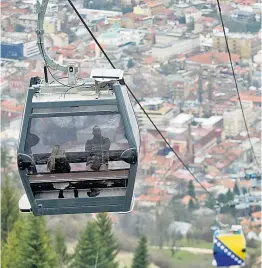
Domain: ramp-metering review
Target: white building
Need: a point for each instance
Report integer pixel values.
(3, 85)
(30, 49)
(234, 122)
(160, 112)
(258, 57)
(181, 120)
(28, 21)
(164, 51)
(60, 39)
(87, 12)
(51, 8)
(51, 25)
(120, 37)
(206, 42)
(192, 14)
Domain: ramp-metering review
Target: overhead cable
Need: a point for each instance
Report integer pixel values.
(142, 108)
(235, 80)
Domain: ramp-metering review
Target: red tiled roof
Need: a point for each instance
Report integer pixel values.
(191, 10)
(223, 163)
(245, 2)
(16, 10)
(93, 45)
(219, 28)
(202, 197)
(206, 20)
(205, 184)
(230, 183)
(66, 52)
(148, 60)
(31, 74)
(132, 15)
(213, 57)
(55, 48)
(245, 97)
(182, 174)
(186, 199)
(69, 47)
(257, 215)
(156, 191)
(164, 11)
(148, 198)
(4, 5)
(151, 180)
(153, 4)
(11, 106)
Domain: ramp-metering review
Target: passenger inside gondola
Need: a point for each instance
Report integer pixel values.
(93, 192)
(31, 140)
(98, 151)
(58, 162)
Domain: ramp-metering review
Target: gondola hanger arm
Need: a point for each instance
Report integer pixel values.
(71, 69)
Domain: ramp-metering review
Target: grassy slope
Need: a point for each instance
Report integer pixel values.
(125, 260)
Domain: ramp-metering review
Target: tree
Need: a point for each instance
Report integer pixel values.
(178, 212)
(229, 196)
(236, 189)
(13, 248)
(126, 10)
(36, 247)
(9, 207)
(19, 28)
(87, 253)
(221, 198)
(162, 221)
(175, 235)
(60, 246)
(5, 159)
(130, 64)
(141, 254)
(191, 205)
(107, 242)
(210, 203)
(191, 189)
(191, 25)
(244, 190)
(194, 123)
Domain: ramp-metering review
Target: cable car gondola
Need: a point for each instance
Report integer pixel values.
(229, 247)
(78, 150)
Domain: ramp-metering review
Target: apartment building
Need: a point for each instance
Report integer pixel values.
(167, 47)
(159, 111)
(234, 123)
(181, 84)
(28, 21)
(245, 45)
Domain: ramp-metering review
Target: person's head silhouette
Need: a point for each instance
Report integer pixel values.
(97, 132)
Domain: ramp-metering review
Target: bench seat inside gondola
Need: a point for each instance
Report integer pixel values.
(79, 176)
(47, 184)
(116, 167)
(80, 193)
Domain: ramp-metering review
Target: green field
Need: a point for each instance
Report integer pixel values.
(188, 259)
(194, 244)
(125, 260)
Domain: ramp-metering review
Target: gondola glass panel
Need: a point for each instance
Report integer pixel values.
(76, 158)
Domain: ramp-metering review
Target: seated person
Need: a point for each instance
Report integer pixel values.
(31, 140)
(58, 162)
(93, 192)
(98, 149)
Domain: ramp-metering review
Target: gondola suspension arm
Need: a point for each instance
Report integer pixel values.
(71, 69)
